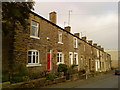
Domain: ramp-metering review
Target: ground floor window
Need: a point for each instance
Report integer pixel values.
(71, 57)
(76, 58)
(60, 57)
(33, 57)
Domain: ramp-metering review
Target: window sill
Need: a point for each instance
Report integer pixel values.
(33, 65)
(60, 63)
(34, 37)
(60, 42)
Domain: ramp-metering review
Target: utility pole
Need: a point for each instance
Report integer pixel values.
(69, 17)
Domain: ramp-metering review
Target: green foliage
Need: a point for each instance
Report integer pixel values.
(5, 75)
(51, 77)
(83, 71)
(20, 74)
(37, 75)
(14, 13)
(73, 66)
(62, 68)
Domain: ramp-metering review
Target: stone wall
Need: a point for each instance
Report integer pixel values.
(23, 42)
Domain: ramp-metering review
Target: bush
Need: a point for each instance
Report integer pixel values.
(51, 77)
(19, 74)
(83, 71)
(16, 79)
(62, 68)
(74, 66)
(5, 75)
(37, 75)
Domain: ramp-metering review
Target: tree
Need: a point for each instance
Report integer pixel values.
(13, 13)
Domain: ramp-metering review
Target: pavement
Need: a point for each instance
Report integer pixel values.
(108, 80)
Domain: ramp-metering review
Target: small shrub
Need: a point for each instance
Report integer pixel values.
(74, 66)
(37, 75)
(62, 68)
(83, 71)
(16, 79)
(5, 75)
(51, 77)
(19, 74)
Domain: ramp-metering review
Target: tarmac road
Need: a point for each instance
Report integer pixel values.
(102, 81)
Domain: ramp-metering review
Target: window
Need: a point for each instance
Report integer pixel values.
(33, 57)
(60, 37)
(60, 57)
(71, 57)
(82, 61)
(97, 53)
(34, 29)
(75, 42)
(84, 48)
(76, 58)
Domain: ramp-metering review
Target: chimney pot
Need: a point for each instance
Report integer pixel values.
(52, 17)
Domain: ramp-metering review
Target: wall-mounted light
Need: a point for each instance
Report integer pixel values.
(48, 38)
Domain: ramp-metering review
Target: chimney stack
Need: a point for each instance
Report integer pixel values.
(102, 49)
(99, 47)
(95, 44)
(90, 42)
(68, 28)
(52, 17)
(77, 34)
(84, 38)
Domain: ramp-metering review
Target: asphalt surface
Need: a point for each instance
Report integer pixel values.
(102, 81)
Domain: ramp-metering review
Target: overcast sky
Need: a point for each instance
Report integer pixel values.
(97, 20)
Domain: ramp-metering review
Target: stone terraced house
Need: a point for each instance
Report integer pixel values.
(45, 45)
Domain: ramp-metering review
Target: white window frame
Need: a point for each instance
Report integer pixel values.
(71, 57)
(36, 63)
(58, 56)
(60, 37)
(97, 53)
(75, 43)
(76, 58)
(37, 30)
(81, 61)
(84, 48)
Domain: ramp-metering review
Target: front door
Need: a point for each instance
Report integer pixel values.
(48, 61)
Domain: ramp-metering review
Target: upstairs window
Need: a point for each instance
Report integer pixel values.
(84, 48)
(34, 29)
(60, 57)
(60, 37)
(75, 42)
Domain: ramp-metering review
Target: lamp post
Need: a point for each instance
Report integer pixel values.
(86, 71)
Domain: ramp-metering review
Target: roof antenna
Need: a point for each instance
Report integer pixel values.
(69, 17)
(64, 24)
